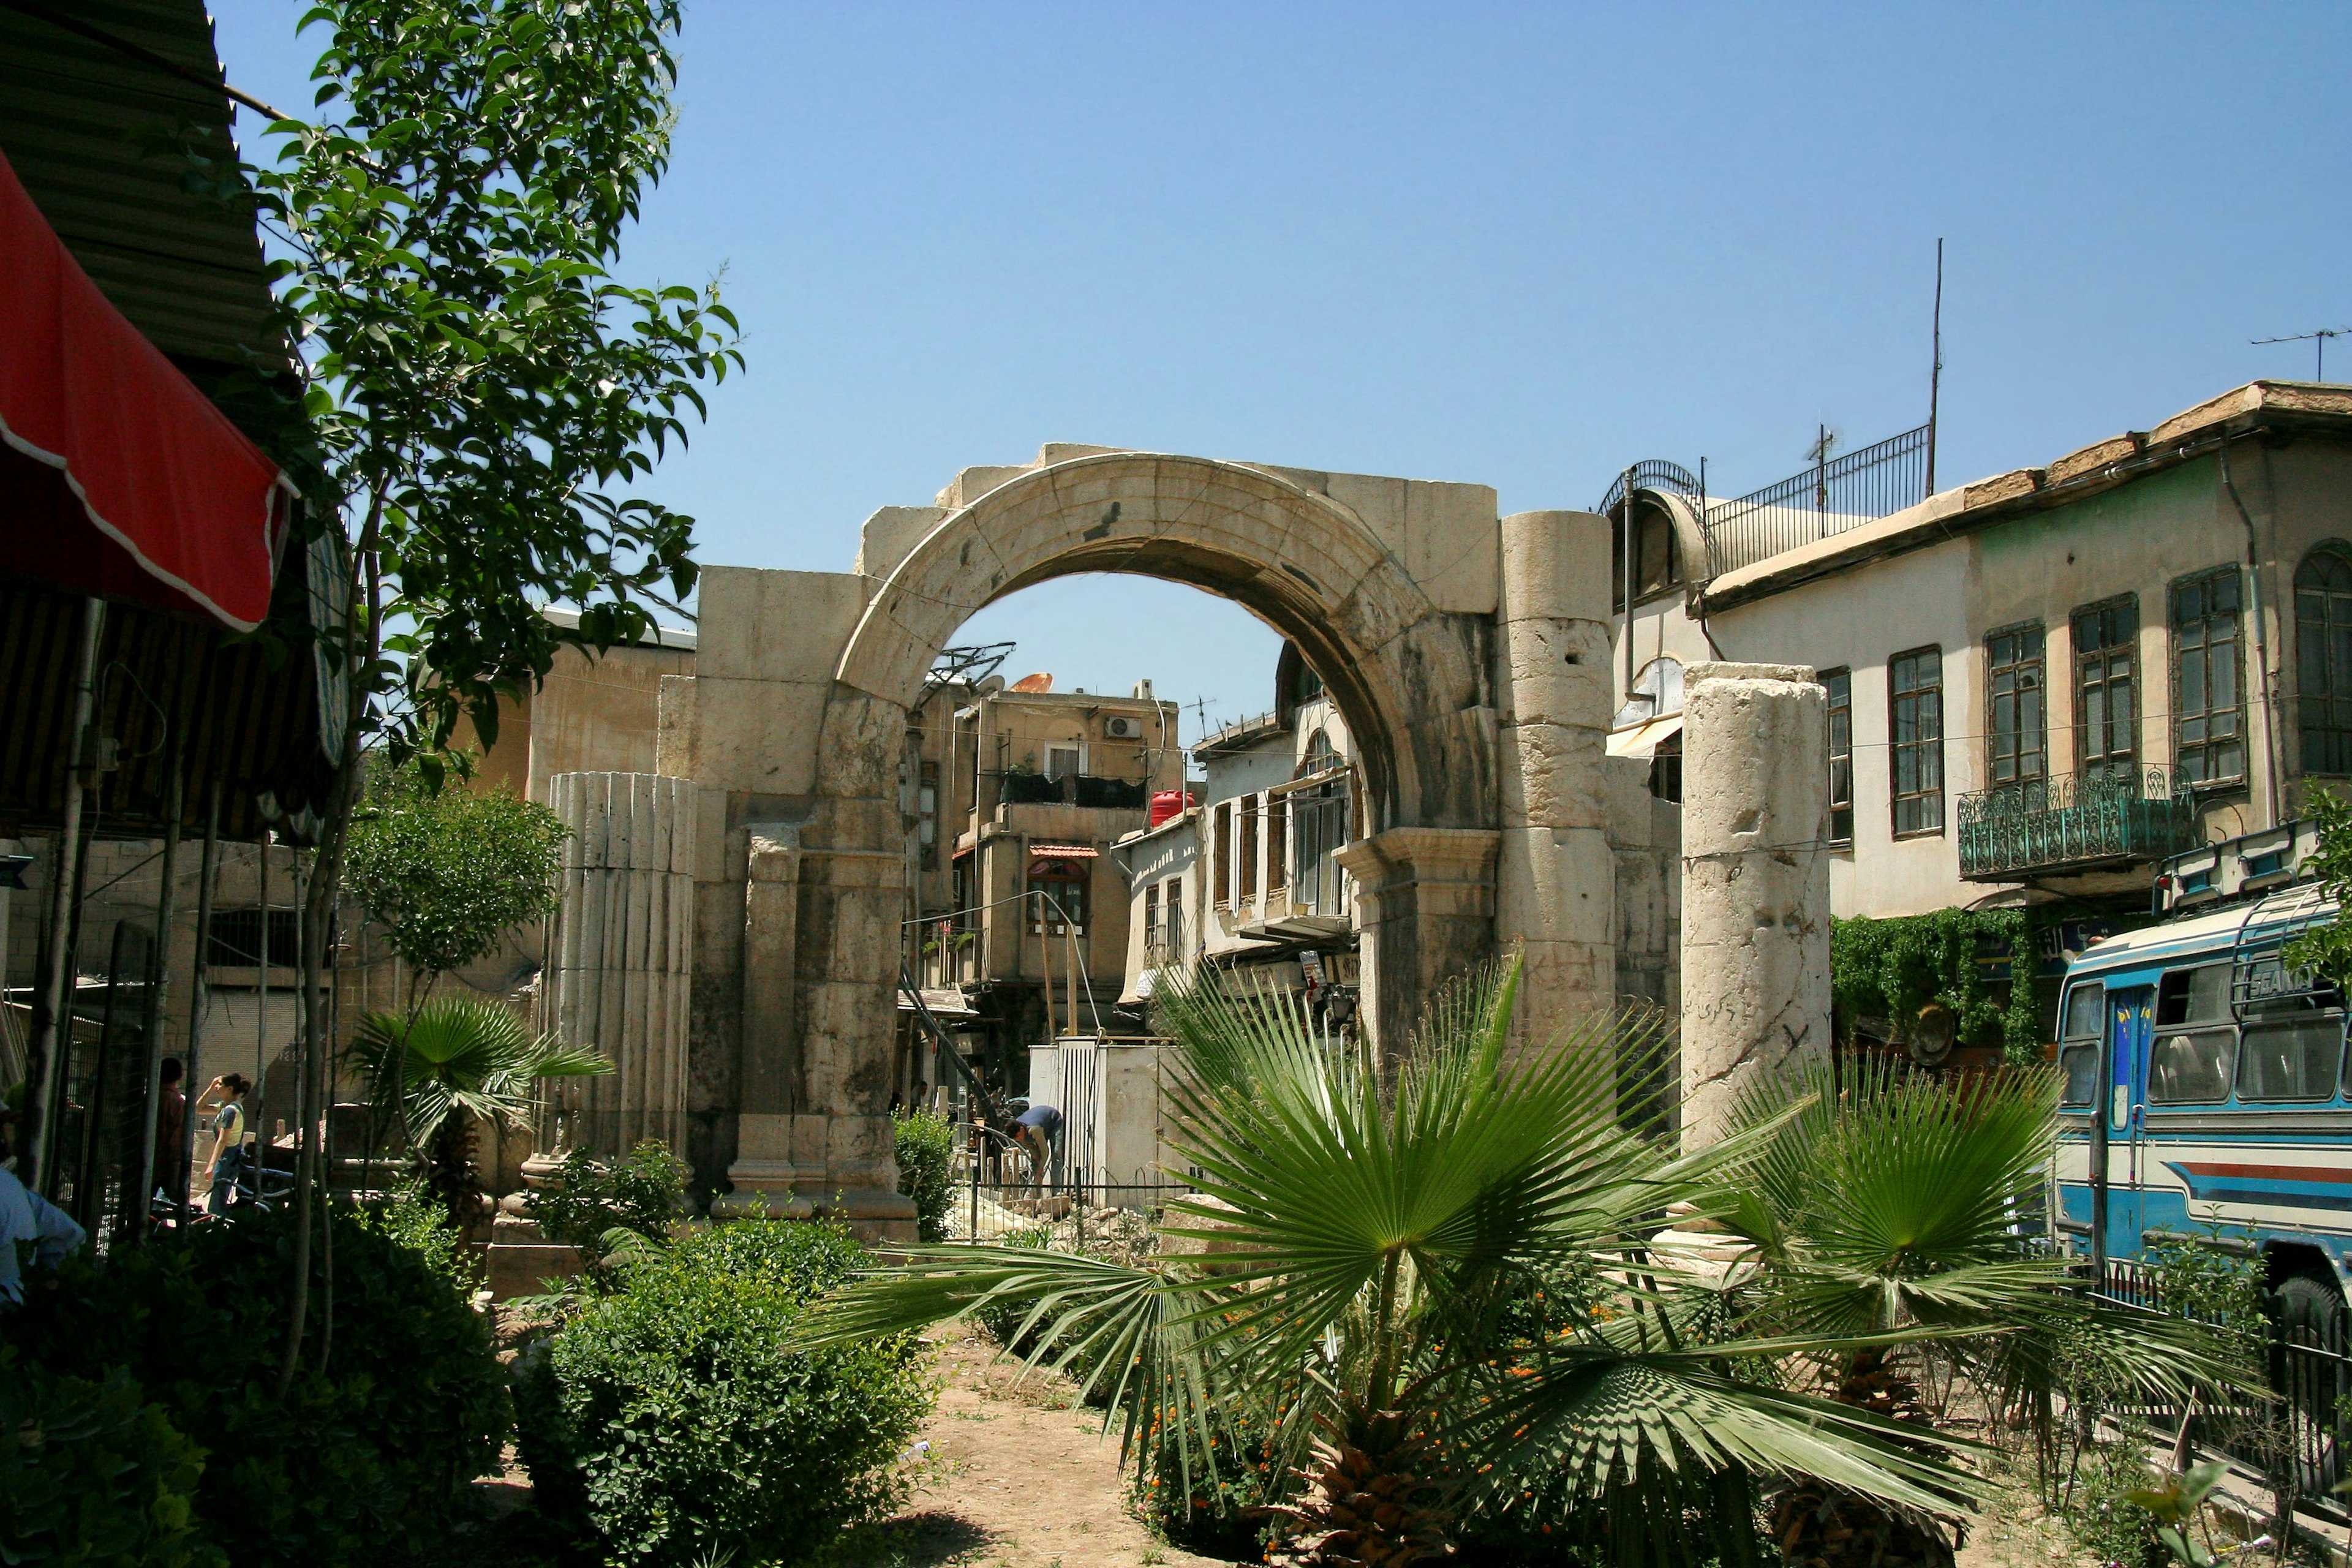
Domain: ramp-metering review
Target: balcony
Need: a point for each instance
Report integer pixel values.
(1020, 788)
(2075, 823)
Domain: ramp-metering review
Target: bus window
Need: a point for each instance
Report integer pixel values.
(2078, 1051)
(2191, 1068)
(2292, 1058)
(2199, 996)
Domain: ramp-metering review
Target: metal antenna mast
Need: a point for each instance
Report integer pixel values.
(2319, 341)
(1935, 367)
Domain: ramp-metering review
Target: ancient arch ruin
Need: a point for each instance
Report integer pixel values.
(1469, 651)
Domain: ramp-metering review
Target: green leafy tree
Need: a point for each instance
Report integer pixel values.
(448, 872)
(1375, 1229)
(2327, 950)
(453, 1063)
(477, 391)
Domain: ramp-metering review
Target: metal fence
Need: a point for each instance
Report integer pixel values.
(1833, 496)
(2296, 1442)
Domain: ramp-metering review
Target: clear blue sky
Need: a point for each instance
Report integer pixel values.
(1518, 244)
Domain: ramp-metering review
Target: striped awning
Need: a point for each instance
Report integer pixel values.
(1063, 851)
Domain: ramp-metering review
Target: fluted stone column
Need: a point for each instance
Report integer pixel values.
(1555, 873)
(1756, 882)
(623, 959)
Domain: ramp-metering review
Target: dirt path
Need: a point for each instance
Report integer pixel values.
(1024, 1478)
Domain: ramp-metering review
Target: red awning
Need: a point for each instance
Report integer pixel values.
(118, 478)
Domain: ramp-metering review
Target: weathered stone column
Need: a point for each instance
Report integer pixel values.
(623, 953)
(1555, 873)
(1756, 882)
(765, 1172)
(1426, 896)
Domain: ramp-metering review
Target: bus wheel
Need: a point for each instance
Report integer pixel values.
(2308, 1369)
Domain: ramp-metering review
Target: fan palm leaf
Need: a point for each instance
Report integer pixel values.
(1368, 1218)
(463, 1054)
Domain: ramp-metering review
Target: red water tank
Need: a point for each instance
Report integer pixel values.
(1168, 803)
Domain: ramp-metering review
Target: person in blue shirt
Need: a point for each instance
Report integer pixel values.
(26, 1216)
(1036, 1128)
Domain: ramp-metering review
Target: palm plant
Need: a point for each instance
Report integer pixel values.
(1873, 1201)
(456, 1061)
(1372, 1228)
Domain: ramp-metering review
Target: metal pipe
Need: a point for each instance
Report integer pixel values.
(158, 983)
(2261, 644)
(1935, 369)
(45, 1068)
(199, 993)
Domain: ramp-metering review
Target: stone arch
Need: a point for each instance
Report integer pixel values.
(1410, 680)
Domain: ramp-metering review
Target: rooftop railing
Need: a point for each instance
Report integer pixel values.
(2056, 824)
(1834, 495)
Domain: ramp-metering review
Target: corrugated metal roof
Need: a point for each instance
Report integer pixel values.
(79, 121)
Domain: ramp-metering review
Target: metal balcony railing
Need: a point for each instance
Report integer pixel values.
(2054, 824)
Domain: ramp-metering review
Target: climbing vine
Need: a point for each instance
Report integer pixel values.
(1892, 968)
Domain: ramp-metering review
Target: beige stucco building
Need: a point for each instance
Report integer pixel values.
(2042, 683)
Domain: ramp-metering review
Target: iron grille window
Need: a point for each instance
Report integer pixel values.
(2323, 660)
(2208, 722)
(2015, 744)
(2107, 693)
(1915, 690)
(1277, 843)
(234, 940)
(1839, 683)
(1152, 949)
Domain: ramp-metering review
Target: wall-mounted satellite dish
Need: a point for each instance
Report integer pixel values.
(990, 686)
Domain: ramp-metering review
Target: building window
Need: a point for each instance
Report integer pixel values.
(1657, 564)
(235, 939)
(1151, 939)
(2209, 725)
(1277, 843)
(2014, 750)
(1915, 692)
(1840, 685)
(2323, 660)
(1250, 806)
(1171, 920)
(2106, 699)
(1221, 845)
(928, 806)
(1059, 897)
(1666, 769)
(1064, 761)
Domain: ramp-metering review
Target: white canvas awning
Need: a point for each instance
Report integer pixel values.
(941, 1003)
(1641, 740)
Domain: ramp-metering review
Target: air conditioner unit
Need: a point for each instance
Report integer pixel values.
(1118, 728)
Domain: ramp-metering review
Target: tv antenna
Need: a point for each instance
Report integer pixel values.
(2319, 343)
(971, 664)
(1199, 707)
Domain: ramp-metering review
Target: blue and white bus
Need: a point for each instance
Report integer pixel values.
(2209, 1096)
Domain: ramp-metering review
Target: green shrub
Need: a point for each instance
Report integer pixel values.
(642, 1193)
(363, 1461)
(91, 1475)
(669, 1419)
(925, 1141)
